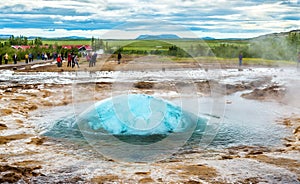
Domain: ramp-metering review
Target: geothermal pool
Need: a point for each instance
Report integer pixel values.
(174, 123)
(238, 122)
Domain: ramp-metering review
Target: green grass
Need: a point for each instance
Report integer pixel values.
(67, 42)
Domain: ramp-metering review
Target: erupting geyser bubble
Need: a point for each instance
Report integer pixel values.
(137, 127)
(136, 114)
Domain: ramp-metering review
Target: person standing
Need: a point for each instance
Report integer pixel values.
(15, 58)
(76, 59)
(26, 58)
(6, 58)
(59, 61)
(240, 59)
(1, 56)
(94, 59)
(73, 59)
(30, 57)
(88, 59)
(69, 60)
(119, 58)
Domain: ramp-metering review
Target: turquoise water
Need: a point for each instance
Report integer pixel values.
(143, 126)
(134, 119)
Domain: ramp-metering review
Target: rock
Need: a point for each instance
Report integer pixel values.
(142, 173)
(3, 126)
(105, 179)
(37, 140)
(5, 112)
(7, 139)
(146, 180)
(144, 85)
(14, 174)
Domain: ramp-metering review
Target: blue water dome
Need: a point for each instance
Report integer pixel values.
(133, 126)
(135, 114)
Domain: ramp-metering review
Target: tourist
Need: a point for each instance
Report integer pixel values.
(88, 59)
(69, 60)
(119, 58)
(94, 59)
(26, 58)
(30, 57)
(240, 59)
(6, 58)
(45, 56)
(59, 61)
(76, 59)
(73, 59)
(15, 57)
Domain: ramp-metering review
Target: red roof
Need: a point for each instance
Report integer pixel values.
(67, 46)
(24, 47)
(87, 47)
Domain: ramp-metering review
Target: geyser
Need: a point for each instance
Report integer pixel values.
(137, 114)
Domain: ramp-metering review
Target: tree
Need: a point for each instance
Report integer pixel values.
(38, 41)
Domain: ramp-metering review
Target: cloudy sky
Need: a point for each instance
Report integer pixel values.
(129, 18)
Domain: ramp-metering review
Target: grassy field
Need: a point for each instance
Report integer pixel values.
(149, 44)
(67, 42)
(146, 44)
(165, 44)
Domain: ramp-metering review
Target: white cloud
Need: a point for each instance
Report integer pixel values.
(268, 16)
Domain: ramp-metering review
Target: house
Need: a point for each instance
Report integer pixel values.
(22, 47)
(25, 47)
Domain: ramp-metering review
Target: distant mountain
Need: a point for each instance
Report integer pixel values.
(276, 35)
(4, 36)
(65, 38)
(207, 38)
(158, 37)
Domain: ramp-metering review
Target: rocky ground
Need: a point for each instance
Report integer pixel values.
(28, 157)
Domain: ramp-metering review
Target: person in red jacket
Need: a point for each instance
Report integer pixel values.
(59, 61)
(69, 60)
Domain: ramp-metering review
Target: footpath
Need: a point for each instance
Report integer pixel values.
(22, 64)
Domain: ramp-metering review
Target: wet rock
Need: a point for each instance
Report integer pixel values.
(226, 157)
(19, 98)
(252, 180)
(296, 130)
(3, 126)
(37, 140)
(142, 173)
(46, 93)
(7, 139)
(144, 85)
(255, 152)
(203, 172)
(289, 164)
(146, 180)
(105, 178)
(32, 107)
(270, 92)
(13, 174)
(5, 112)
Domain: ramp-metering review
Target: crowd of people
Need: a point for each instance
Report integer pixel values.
(73, 59)
(91, 58)
(28, 58)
